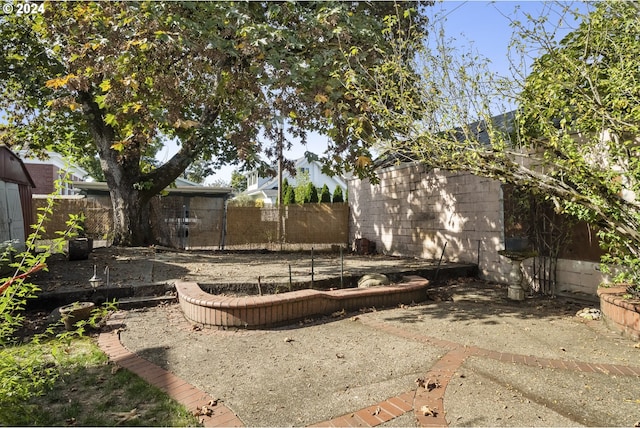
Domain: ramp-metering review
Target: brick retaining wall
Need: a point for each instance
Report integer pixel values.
(210, 310)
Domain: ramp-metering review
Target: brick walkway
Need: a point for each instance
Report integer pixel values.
(427, 403)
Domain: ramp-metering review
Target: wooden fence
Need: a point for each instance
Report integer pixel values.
(291, 227)
(203, 223)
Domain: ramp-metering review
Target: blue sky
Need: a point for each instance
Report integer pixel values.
(480, 25)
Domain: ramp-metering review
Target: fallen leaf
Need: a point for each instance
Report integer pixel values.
(431, 385)
(339, 313)
(427, 411)
(125, 416)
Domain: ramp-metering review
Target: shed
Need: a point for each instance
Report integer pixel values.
(16, 212)
(186, 217)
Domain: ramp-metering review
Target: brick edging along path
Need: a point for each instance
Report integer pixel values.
(177, 388)
(430, 397)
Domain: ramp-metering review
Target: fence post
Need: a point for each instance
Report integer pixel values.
(312, 267)
(341, 268)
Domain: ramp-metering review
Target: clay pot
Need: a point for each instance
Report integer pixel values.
(75, 312)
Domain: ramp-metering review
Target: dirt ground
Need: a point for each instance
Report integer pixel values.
(160, 266)
(322, 368)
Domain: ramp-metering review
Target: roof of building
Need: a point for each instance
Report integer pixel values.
(12, 168)
(479, 130)
(272, 184)
(60, 162)
(101, 187)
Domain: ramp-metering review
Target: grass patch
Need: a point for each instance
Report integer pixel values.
(71, 382)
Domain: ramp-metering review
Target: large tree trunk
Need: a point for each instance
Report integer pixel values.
(131, 220)
(131, 191)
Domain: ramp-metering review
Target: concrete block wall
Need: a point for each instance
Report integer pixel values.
(574, 276)
(413, 211)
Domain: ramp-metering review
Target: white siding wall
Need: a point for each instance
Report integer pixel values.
(317, 177)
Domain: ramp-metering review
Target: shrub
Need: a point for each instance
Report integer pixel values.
(289, 196)
(337, 195)
(313, 193)
(325, 195)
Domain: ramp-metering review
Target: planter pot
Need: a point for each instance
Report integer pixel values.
(75, 312)
(620, 313)
(79, 248)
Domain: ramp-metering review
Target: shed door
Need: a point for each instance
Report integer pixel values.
(11, 221)
(5, 230)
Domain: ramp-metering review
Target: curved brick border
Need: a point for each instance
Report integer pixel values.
(210, 310)
(619, 313)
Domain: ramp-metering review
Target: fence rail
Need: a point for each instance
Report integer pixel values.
(291, 225)
(203, 223)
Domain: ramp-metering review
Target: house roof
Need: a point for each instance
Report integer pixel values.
(59, 161)
(272, 184)
(479, 130)
(101, 187)
(12, 168)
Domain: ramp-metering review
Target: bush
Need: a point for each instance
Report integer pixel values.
(313, 193)
(337, 195)
(289, 196)
(325, 195)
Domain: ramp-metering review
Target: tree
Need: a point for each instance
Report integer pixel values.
(312, 191)
(325, 195)
(303, 180)
(288, 193)
(285, 189)
(337, 195)
(289, 197)
(219, 182)
(197, 171)
(117, 80)
(574, 137)
(238, 182)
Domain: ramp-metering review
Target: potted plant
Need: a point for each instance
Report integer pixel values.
(78, 311)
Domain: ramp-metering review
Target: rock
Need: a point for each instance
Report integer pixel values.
(589, 313)
(372, 280)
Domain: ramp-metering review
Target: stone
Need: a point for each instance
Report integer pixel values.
(515, 292)
(373, 280)
(589, 314)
